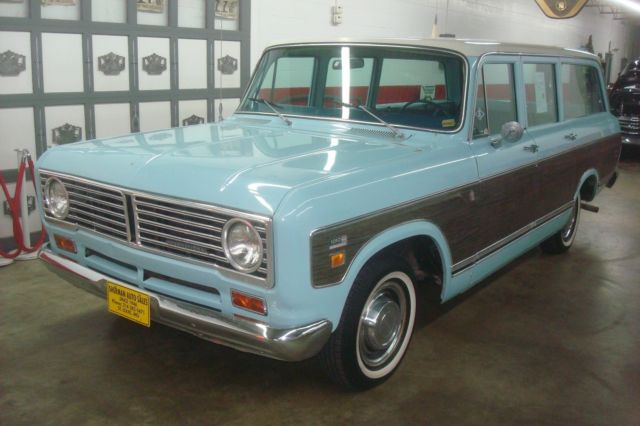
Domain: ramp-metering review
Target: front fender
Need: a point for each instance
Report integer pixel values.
(393, 235)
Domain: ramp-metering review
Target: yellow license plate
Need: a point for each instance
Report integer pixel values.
(127, 303)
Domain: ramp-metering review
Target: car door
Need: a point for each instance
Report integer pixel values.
(508, 188)
(553, 137)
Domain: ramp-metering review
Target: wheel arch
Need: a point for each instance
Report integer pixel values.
(398, 234)
(588, 185)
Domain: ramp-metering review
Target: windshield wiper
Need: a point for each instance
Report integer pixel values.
(396, 133)
(272, 108)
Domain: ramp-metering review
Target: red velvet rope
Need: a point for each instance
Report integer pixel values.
(14, 206)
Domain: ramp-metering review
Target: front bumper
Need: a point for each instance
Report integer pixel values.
(245, 335)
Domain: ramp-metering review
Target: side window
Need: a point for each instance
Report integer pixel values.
(288, 81)
(581, 90)
(496, 102)
(540, 89)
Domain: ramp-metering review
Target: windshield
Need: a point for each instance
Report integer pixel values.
(402, 86)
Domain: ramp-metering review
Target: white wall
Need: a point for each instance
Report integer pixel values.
(522, 21)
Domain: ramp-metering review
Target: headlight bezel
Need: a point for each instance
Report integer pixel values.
(48, 202)
(227, 249)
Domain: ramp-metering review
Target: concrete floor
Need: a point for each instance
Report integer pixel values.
(548, 340)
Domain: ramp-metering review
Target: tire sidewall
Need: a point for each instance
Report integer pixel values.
(369, 278)
(398, 276)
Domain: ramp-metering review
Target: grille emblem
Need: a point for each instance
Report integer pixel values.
(186, 246)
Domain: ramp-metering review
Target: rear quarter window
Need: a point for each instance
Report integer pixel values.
(582, 94)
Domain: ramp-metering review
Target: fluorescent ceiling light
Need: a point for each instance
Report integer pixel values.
(629, 4)
(483, 43)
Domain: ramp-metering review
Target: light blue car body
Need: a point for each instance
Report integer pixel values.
(331, 177)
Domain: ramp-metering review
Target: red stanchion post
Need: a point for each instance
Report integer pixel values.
(20, 213)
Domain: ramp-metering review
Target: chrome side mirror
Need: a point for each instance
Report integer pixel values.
(511, 132)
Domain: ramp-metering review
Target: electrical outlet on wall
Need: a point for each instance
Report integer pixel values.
(337, 12)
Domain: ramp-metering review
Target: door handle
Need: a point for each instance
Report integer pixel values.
(571, 136)
(531, 148)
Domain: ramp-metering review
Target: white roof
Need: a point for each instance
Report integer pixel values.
(467, 47)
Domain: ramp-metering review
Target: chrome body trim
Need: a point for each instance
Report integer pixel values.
(465, 88)
(135, 239)
(465, 263)
(294, 344)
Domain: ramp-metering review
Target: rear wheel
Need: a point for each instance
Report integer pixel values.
(375, 328)
(562, 240)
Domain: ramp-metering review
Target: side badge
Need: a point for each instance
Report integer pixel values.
(338, 242)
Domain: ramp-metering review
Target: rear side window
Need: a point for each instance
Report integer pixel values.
(496, 99)
(540, 90)
(581, 90)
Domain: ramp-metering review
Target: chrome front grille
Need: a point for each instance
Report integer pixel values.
(179, 228)
(188, 230)
(630, 125)
(95, 207)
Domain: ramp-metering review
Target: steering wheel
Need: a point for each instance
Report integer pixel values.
(428, 105)
(338, 101)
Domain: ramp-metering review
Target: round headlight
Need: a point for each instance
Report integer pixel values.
(242, 244)
(56, 198)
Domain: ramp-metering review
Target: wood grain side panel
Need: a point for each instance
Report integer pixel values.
(557, 182)
(475, 216)
(470, 217)
(504, 204)
(603, 156)
(450, 211)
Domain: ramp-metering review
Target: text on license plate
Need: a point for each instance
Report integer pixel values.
(127, 303)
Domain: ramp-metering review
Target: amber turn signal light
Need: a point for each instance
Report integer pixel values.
(250, 303)
(65, 243)
(338, 259)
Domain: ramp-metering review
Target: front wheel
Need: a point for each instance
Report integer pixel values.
(562, 240)
(375, 328)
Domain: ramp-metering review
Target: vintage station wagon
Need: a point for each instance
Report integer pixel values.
(351, 174)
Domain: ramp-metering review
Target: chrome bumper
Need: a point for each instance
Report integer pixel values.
(293, 344)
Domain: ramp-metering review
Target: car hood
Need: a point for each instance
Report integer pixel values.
(237, 164)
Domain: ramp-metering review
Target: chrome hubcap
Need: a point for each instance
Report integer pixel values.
(567, 231)
(382, 324)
